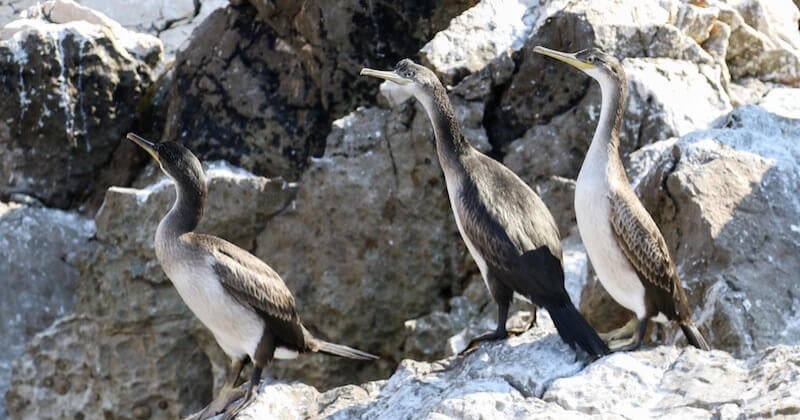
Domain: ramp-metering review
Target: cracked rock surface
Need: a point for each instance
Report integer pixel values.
(536, 376)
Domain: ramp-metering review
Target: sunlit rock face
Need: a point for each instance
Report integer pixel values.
(71, 81)
(535, 376)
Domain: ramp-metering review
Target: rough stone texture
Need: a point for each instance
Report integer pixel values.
(371, 233)
(133, 346)
(474, 38)
(71, 79)
(172, 21)
(261, 82)
(38, 249)
(724, 199)
(510, 380)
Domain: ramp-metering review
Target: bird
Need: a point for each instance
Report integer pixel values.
(623, 243)
(240, 299)
(506, 227)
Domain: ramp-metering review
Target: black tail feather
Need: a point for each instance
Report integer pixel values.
(693, 336)
(576, 331)
(344, 351)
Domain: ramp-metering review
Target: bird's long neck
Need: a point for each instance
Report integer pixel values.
(605, 144)
(185, 214)
(451, 145)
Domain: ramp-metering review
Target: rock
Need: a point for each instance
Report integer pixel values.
(666, 382)
(260, 83)
(509, 380)
(723, 200)
(369, 243)
(756, 47)
(82, 367)
(478, 35)
(64, 68)
(38, 247)
(171, 21)
(131, 341)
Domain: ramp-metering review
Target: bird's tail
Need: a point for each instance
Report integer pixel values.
(575, 330)
(343, 351)
(693, 336)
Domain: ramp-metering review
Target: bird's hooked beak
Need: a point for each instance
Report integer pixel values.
(565, 57)
(147, 145)
(387, 75)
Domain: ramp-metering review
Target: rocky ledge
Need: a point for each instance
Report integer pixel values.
(536, 376)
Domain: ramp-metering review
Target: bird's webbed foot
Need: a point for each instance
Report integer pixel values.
(220, 404)
(634, 342)
(625, 332)
(499, 334)
(234, 410)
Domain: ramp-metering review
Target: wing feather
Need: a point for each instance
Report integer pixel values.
(642, 243)
(254, 284)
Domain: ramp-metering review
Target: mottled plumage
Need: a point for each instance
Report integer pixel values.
(623, 242)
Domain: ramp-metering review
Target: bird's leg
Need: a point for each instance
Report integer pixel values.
(633, 342)
(255, 379)
(228, 394)
(625, 331)
(499, 333)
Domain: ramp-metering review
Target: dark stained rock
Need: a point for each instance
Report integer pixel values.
(260, 82)
(71, 88)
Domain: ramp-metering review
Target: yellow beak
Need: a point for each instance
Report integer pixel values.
(147, 145)
(387, 75)
(565, 57)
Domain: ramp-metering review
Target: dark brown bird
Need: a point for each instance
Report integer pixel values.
(508, 230)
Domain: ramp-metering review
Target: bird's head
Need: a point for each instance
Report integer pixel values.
(600, 66)
(175, 160)
(412, 78)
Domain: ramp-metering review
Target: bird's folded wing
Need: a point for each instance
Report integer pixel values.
(640, 240)
(248, 279)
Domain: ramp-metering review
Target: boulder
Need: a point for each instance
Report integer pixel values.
(65, 69)
(369, 243)
(172, 21)
(260, 82)
(510, 380)
(39, 248)
(131, 343)
(723, 198)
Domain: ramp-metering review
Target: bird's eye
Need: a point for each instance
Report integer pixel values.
(408, 74)
(590, 59)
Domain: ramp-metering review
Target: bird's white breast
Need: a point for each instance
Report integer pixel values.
(453, 190)
(592, 211)
(237, 329)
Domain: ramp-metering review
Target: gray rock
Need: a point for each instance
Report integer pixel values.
(369, 243)
(512, 380)
(172, 21)
(133, 344)
(260, 82)
(38, 248)
(64, 70)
